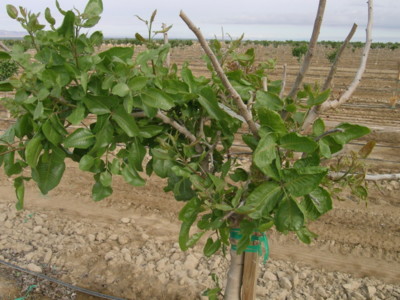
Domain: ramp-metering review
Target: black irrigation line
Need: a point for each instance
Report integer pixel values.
(59, 282)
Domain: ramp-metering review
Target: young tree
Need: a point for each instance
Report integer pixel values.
(185, 125)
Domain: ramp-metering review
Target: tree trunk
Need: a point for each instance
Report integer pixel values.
(234, 278)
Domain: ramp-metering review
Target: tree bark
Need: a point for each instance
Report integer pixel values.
(311, 48)
(234, 283)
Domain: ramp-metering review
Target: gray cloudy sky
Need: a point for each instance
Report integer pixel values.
(257, 19)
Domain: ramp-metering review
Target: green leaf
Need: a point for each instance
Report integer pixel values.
(318, 127)
(38, 112)
(67, 27)
(122, 53)
(32, 151)
(272, 121)
(132, 177)
(317, 203)
(137, 152)
(321, 98)
(95, 106)
(51, 133)
(183, 190)
(86, 162)
(48, 17)
(268, 100)
(120, 89)
(188, 215)
(300, 182)
(211, 247)
(296, 142)
(99, 191)
(265, 152)
(305, 235)
(10, 167)
(12, 11)
(48, 172)
(137, 83)
(289, 216)
(63, 12)
(262, 200)
(350, 132)
(250, 141)
(81, 138)
(125, 121)
(239, 175)
(218, 182)
(93, 8)
(209, 101)
(156, 98)
(77, 115)
(115, 167)
(162, 167)
(324, 148)
(4, 55)
(106, 178)
(20, 192)
(6, 86)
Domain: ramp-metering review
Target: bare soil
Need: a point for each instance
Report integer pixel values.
(125, 245)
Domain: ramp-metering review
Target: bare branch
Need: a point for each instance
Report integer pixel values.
(167, 120)
(363, 63)
(168, 59)
(283, 85)
(217, 67)
(311, 48)
(332, 72)
(317, 110)
(265, 83)
(368, 177)
(4, 47)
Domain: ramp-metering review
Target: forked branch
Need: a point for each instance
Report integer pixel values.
(217, 67)
(311, 49)
(317, 110)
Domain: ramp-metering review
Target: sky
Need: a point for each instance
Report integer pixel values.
(257, 19)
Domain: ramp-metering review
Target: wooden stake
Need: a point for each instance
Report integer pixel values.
(250, 275)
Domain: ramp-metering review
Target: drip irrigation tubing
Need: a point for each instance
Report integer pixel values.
(59, 282)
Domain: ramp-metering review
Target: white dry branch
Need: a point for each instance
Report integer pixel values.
(283, 85)
(332, 72)
(331, 104)
(311, 49)
(368, 177)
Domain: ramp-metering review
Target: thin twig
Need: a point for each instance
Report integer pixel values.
(217, 67)
(311, 48)
(328, 133)
(332, 72)
(283, 85)
(167, 120)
